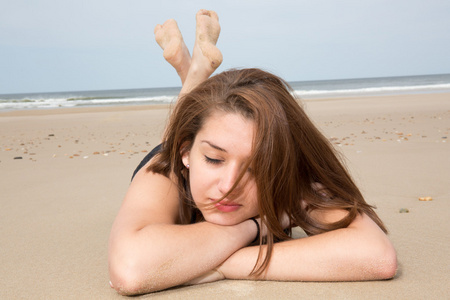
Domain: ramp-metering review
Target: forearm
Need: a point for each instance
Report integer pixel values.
(164, 255)
(347, 254)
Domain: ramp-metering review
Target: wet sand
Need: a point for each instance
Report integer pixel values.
(63, 174)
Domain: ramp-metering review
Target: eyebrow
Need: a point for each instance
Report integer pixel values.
(214, 146)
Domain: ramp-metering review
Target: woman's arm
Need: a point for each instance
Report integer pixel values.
(359, 252)
(149, 252)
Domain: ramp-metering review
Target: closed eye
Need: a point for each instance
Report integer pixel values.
(212, 161)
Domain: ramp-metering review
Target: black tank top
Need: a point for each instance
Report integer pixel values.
(146, 159)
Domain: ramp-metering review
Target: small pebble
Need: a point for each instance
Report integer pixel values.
(403, 210)
(425, 199)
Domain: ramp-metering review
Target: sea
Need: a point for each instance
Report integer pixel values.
(308, 90)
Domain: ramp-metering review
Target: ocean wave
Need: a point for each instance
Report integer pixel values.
(39, 103)
(374, 90)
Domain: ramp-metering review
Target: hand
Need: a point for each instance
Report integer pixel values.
(285, 223)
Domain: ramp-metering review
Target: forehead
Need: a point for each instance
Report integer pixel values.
(229, 131)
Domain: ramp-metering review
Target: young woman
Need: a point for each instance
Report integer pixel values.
(240, 164)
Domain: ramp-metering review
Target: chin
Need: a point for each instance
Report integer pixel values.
(223, 219)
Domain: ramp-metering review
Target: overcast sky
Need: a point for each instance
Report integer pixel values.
(61, 45)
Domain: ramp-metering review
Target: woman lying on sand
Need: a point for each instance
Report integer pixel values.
(240, 164)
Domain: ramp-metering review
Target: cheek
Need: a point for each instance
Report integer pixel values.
(194, 185)
(250, 195)
(201, 181)
(253, 195)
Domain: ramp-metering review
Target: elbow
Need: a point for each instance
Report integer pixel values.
(124, 279)
(127, 276)
(389, 266)
(133, 271)
(384, 263)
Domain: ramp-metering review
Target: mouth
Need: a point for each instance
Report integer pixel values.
(225, 206)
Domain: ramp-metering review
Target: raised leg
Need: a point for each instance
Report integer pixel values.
(206, 57)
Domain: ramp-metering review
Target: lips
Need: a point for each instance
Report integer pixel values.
(225, 206)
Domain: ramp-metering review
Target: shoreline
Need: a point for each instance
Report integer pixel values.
(139, 107)
(82, 109)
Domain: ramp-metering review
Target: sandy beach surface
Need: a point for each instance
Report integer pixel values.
(63, 174)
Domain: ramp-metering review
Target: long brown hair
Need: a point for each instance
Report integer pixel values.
(290, 158)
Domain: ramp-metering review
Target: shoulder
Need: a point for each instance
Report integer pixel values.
(151, 198)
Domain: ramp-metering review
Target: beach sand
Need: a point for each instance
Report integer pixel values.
(59, 199)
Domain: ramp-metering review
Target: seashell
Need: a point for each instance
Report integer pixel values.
(425, 199)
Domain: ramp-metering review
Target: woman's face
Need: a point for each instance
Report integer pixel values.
(218, 155)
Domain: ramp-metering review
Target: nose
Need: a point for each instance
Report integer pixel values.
(228, 178)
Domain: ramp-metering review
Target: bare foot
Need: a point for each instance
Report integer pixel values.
(206, 57)
(169, 37)
(206, 36)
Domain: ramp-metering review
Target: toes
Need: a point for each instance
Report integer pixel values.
(157, 28)
(213, 15)
(207, 26)
(210, 13)
(167, 32)
(170, 22)
(202, 12)
(169, 25)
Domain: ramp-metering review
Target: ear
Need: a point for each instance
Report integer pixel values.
(184, 152)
